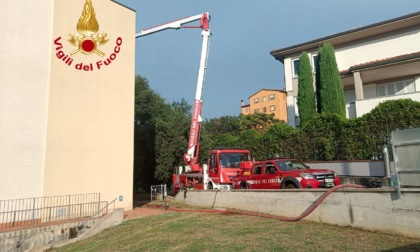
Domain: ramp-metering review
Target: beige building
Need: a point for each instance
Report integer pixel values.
(267, 101)
(377, 62)
(67, 99)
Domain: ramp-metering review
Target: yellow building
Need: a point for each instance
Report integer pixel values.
(267, 101)
(67, 99)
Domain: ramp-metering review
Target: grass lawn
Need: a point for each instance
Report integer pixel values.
(175, 231)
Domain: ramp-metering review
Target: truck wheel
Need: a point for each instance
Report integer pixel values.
(210, 186)
(243, 185)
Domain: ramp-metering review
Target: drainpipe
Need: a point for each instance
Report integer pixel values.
(386, 162)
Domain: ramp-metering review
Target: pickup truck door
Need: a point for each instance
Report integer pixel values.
(270, 175)
(256, 176)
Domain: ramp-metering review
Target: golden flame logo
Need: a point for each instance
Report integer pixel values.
(88, 26)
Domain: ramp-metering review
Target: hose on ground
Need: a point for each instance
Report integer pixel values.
(308, 211)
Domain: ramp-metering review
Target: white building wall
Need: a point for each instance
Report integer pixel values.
(288, 75)
(26, 27)
(66, 130)
(365, 106)
(376, 49)
(290, 100)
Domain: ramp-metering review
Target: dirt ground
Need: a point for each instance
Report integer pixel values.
(139, 209)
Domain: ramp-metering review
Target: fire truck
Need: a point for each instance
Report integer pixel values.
(223, 164)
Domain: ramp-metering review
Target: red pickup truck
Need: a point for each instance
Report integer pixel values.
(281, 173)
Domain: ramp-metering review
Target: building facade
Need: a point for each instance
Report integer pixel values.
(267, 101)
(377, 62)
(67, 99)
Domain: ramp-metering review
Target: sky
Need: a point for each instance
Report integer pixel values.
(243, 34)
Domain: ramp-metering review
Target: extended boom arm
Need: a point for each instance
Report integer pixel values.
(191, 157)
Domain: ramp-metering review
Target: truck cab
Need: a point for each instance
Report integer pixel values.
(224, 165)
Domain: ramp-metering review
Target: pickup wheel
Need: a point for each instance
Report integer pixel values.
(290, 183)
(291, 186)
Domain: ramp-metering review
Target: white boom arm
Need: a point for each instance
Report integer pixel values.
(177, 24)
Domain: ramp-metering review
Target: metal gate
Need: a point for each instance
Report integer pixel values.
(157, 192)
(406, 149)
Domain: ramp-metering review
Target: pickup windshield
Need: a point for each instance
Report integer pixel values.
(286, 165)
(232, 160)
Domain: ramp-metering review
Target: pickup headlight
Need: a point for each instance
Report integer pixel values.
(306, 175)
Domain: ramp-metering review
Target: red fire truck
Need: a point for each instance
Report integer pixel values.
(223, 164)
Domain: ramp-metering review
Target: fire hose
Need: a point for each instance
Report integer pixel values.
(308, 211)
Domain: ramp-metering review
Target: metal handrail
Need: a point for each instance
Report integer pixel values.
(82, 225)
(97, 213)
(29, 211)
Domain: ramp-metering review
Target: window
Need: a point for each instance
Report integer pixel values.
(264, 109)
(272, 108)
(272, 97)
(283, 166)
(396, 88)
(314, 59)
(270, 169)
(257, 169)
(295, 67)
(256, 100)
(263, 98)
(247, 110)
(256, 110)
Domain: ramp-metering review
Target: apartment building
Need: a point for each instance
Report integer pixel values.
(377, 62)
(268, 101)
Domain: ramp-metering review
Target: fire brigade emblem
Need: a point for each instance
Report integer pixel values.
(88, 26)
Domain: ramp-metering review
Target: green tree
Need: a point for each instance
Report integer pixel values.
(331, 94)
(388, 116)
(172, 133)
(224, 124)
(161, 135)
(279, 140)
(306, 94)
(322, 138)
(251, 140)
(147, 105)
(259, 121)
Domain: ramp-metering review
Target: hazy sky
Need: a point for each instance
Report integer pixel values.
(243, 34)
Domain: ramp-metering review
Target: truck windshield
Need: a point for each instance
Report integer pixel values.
(291, 165)
(233, 160)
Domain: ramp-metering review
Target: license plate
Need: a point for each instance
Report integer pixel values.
(329, 180)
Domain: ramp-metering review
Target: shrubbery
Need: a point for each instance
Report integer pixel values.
(329, 136)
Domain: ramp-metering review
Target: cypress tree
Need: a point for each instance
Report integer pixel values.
(331, 92)
(306, 95)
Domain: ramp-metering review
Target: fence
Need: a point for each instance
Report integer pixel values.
(157, 192)
(31, 212)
